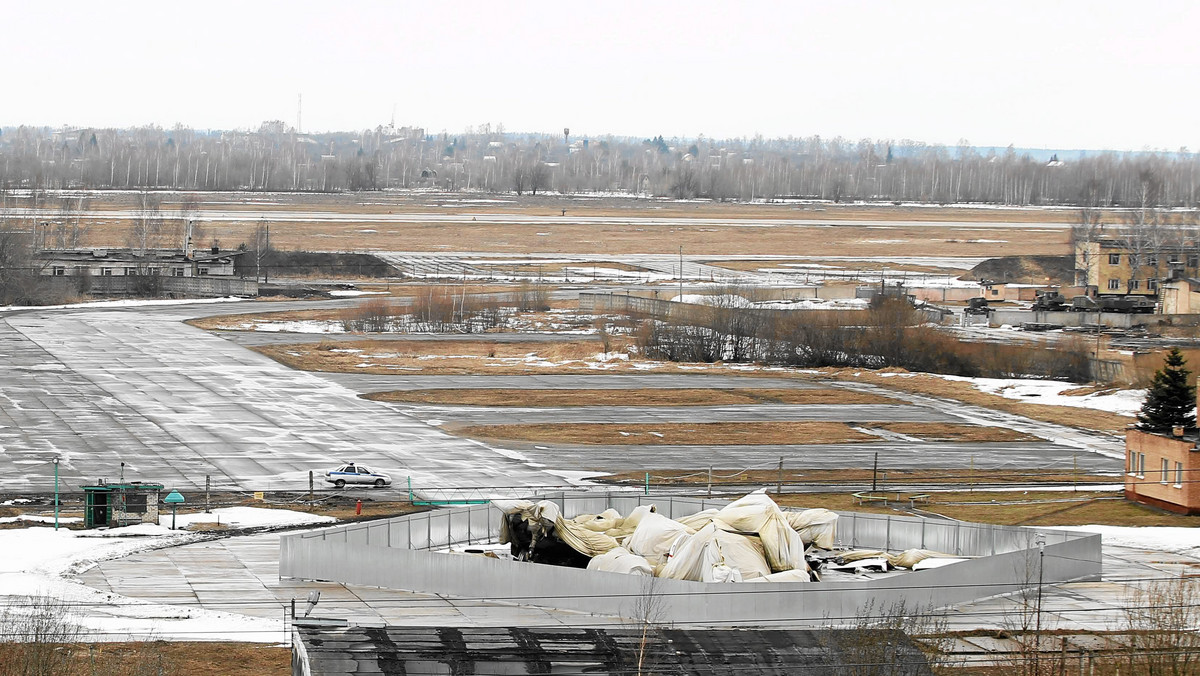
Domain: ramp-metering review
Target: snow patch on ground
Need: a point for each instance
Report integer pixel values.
(1153, 538)
(297, 326)
(39, 561)
(248, 517)
(731, 301)
(350, 293)
(1124, 402)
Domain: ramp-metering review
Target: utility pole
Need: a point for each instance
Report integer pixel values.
(875, 472)
(267, 270)
(681, 273)
(56, 494)
(1040, 540)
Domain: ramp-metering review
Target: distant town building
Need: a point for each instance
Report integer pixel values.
(130, 262)
(1117, 267)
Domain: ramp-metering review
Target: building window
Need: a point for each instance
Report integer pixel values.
(1134, 284)
(1152, 284)
(177, 272)
(156, 271)
(1179, 475)
(1114, 259)
(1193, 261)
(1141, 471)
(1114, 285)
(135, 503)
(203, 271)
(1152, 260)
(106, 272)
(131, 271)
(1163, 480)
(1132, 462)
(995, 292)
(59, 271)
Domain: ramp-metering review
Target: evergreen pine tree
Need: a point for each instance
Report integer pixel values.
(1171, 402)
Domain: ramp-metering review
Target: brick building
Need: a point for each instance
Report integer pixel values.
(1163, 471)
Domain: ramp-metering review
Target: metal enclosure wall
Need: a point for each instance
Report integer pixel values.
(394, 554)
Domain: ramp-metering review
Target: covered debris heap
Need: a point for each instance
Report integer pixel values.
(749, 539)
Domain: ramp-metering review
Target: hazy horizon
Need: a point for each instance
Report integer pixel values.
(1066, 75)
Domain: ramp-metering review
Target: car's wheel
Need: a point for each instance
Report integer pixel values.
(340, 483)
(380, 483)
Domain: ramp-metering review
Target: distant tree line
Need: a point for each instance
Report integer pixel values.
(278, 158)
(889, 334)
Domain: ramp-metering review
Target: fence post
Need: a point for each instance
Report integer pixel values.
(888, 537)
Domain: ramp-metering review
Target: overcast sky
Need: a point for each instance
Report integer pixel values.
(1088, 74)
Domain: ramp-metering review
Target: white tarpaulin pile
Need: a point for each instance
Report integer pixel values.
(905, 559)
(621, 560)
(603, 522)
(751, 539)
(654, 536)
(582, 540)
(757, 513)
(817, 527)
(714, 555)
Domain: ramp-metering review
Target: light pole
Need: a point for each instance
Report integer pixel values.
(680, 274)
(1040, 540)
(56, 494)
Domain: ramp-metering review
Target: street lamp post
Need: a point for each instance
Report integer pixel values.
(56, 494)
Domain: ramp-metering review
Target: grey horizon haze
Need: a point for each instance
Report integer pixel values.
(1090, 75)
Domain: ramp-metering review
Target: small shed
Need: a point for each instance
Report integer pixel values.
(120, 504)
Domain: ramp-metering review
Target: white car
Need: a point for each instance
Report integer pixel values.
(354, 473)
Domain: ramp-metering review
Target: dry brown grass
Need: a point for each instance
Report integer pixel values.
(955, 432)
(238, 321)
(175, 657)
(753, 265)
(626, 238)
(442, 357)
(658, 434)
(634, 397)
(1033, 508)
(921, 383)
(557, 267)
(724, 477)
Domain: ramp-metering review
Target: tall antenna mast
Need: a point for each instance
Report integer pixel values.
(299, 112)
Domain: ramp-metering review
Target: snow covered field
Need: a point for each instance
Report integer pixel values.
(40, 562)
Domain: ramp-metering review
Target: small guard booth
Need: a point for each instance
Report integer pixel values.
(121, 504)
